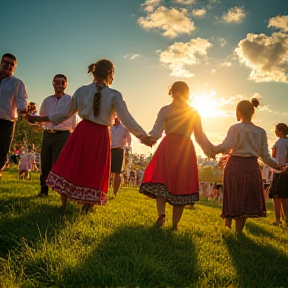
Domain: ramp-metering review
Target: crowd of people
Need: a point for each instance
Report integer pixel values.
(77, 160)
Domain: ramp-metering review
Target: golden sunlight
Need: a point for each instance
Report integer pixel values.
(205, 105)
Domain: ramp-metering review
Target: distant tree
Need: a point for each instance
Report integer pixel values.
(26, 133)
(210, 174)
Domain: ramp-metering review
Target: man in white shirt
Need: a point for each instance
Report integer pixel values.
(54, 136)
(13, 102)
(120, 138)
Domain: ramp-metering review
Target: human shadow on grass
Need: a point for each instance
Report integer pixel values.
(137, 256)
(257, 230)
(248, 257)
(24, 219)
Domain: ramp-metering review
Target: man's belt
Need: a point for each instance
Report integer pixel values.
(51, 131)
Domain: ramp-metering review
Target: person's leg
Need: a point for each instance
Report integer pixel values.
(240, 223)
(46, 162)
(228, 223)
(117, 182)
(277, 209)
(64, 201)
(6, 135)
(161, 204)
(177, 214)
(285, 209)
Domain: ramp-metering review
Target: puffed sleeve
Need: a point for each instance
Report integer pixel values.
(265, 155)
(229, 142)
(158, 127)
(66, 112)
(127, 119)
(21, 96)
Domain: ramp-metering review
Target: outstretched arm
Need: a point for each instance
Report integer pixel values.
(201, 137)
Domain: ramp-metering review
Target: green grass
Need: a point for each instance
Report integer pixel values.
(117, 245)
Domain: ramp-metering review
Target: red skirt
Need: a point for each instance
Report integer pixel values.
(243, 191)
(83, 168)
(172, 172)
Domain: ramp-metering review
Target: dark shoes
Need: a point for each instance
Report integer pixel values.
(42, 195)
(161, 220)
(87, 208)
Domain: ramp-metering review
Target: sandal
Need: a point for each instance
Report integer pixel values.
(161, 220)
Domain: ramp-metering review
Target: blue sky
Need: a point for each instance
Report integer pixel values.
(226, 50)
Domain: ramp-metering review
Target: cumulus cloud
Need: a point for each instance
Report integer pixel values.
(234, 15)
(266, 56)
(280, 22)
(199, 12)
(172, 22)
(178, 55)
(150, 5)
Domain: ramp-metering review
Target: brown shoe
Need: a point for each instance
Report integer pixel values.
(161, 220)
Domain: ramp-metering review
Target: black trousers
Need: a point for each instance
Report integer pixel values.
(52, 146)
(6, 136)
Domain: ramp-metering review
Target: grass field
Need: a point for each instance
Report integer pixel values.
(117, 245)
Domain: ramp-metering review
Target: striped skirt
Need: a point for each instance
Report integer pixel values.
(243, 191)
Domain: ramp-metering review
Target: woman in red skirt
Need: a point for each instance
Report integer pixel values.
(172, 174)
(242, 182)
(82, 170)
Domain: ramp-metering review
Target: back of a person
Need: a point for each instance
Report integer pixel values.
(85, 99)
(249, 140)
(282, 151)
(179, 120)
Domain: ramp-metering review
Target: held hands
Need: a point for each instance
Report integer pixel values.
(148, 141)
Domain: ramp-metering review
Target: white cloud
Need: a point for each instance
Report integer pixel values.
(185, 2)
(199, 12)
(226, 64)
(150, 5)
(132, 56)
(266, 56)
(234, 15)
(173, 22)
(280, 22)
(178, 55)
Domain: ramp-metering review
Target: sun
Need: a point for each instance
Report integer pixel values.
(205, 104)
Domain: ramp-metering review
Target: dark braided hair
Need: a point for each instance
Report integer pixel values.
(100, 70)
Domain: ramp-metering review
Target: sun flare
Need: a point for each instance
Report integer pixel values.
(206, 105)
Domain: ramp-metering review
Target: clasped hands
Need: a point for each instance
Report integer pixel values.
(148, 141)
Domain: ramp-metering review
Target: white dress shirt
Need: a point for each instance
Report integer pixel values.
(51, 105)
(111, 102)
(120, 136)
(13, 97)
(246, 140)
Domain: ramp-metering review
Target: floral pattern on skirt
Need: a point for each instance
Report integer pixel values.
(76, 193)
(153, 190)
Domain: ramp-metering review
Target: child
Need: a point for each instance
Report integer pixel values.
(243, 194)
(25, 165)
(172, 174)
(279, 186)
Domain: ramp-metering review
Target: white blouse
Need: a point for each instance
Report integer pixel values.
(281, 146)
(111, 102)
(181, 119)
(246, 140)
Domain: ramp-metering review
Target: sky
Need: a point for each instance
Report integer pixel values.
(225, 50)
